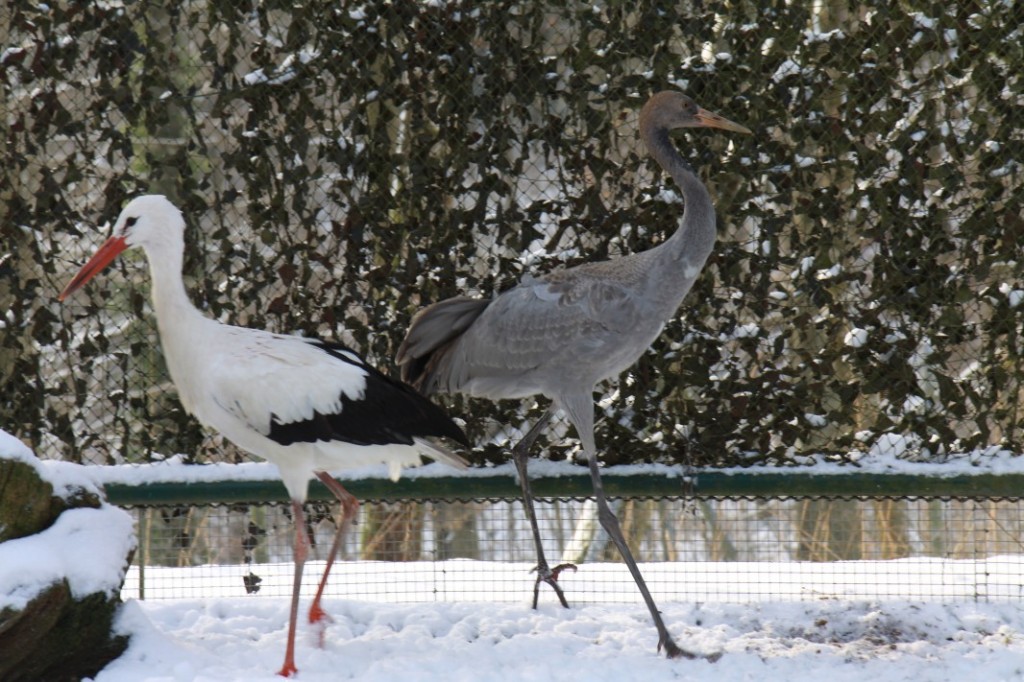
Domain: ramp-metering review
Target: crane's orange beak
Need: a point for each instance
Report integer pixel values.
(710, 119)
(100, 260)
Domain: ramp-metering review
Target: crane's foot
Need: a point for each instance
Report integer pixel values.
(672, 650)
(557, 570)
(550, 576)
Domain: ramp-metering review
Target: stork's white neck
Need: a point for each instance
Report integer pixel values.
(180, 323)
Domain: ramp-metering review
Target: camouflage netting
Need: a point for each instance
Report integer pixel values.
(342, 164)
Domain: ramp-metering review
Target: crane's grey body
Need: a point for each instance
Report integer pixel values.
(570, 329)
(561, 334)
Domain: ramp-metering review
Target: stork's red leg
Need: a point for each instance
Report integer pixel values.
(301, 551)
(349, 509)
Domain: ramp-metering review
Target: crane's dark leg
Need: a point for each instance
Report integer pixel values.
(581, 413)
(520, 455)
(611, 524)
(349, 509)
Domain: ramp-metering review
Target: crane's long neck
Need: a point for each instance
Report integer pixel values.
(693, 242)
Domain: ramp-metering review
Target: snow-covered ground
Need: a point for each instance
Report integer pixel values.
(835, 640)
(222, 635)
(813, 633)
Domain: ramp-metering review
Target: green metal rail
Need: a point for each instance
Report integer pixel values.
(701, 484)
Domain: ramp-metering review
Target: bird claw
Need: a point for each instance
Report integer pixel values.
(561, 567)
(320, 619)
(672, 650)
(550, 575)
(317, 614)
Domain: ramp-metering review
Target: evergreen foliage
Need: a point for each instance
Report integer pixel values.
(343, 164)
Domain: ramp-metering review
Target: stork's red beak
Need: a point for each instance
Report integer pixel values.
(710, 119)
(100, 260)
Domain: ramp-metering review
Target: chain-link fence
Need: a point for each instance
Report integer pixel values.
(807, 548)
(341, 164)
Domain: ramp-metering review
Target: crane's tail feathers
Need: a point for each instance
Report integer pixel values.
(439, 453)
(431, 334)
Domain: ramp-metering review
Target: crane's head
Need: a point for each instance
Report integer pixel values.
(149, 221)
(671, 110)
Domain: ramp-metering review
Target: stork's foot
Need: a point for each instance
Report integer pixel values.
(317, 614)
(320, 619)
(550, 576)
(672, 650)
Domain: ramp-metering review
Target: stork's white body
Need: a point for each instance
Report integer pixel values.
(237, 380)
(304, 404)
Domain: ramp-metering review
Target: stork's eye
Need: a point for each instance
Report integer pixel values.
(130, 222)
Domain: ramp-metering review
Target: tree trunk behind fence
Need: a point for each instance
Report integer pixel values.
(393, 532)
(830, 530)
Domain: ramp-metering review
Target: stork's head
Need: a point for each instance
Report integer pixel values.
(149, 221)
(671, 110)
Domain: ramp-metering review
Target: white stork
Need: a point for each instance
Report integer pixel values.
(306, 405)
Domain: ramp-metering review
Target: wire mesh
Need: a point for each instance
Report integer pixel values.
(690, 549)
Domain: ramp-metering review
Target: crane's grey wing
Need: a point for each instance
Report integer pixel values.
(571, 319)
(431, 332)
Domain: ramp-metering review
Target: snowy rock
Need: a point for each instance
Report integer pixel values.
(28, 501)
(63, 556)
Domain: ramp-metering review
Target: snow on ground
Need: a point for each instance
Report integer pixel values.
(815, 632)
(243, 639)
(838, 638)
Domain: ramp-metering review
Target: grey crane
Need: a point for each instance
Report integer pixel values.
(561, 334)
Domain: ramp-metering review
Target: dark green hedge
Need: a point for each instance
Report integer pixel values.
(343, 164)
